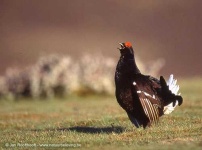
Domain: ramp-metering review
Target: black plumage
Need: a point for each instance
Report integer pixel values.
(143, 97)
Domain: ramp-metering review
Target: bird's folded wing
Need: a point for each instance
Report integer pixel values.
(150, 105)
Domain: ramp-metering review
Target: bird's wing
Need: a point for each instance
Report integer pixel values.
(150, 106)
(145, 89)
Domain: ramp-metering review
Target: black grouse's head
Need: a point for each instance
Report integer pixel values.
(126, 49)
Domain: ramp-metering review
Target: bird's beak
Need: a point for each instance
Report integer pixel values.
(122, 46)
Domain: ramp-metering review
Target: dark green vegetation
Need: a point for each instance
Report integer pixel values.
(98, 121)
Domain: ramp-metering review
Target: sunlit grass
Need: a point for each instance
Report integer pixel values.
(98, 122)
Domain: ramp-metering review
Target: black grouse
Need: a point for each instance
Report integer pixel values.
(143, 97)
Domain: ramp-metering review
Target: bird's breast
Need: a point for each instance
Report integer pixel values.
(125, 99)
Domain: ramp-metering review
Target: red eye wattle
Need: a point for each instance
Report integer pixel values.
(128, 44)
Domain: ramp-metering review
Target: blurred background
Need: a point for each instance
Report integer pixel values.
(166, 36)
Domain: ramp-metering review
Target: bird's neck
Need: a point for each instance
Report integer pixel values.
(125, 71)
(128, 65)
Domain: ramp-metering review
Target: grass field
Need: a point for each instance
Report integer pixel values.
(98, 122)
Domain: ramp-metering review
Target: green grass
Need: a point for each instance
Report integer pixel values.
(98, 122)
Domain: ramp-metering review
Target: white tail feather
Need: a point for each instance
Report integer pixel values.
(174, 88)
(169, 108)
(172, 84)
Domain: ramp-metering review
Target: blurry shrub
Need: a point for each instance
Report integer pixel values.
(56, 75)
